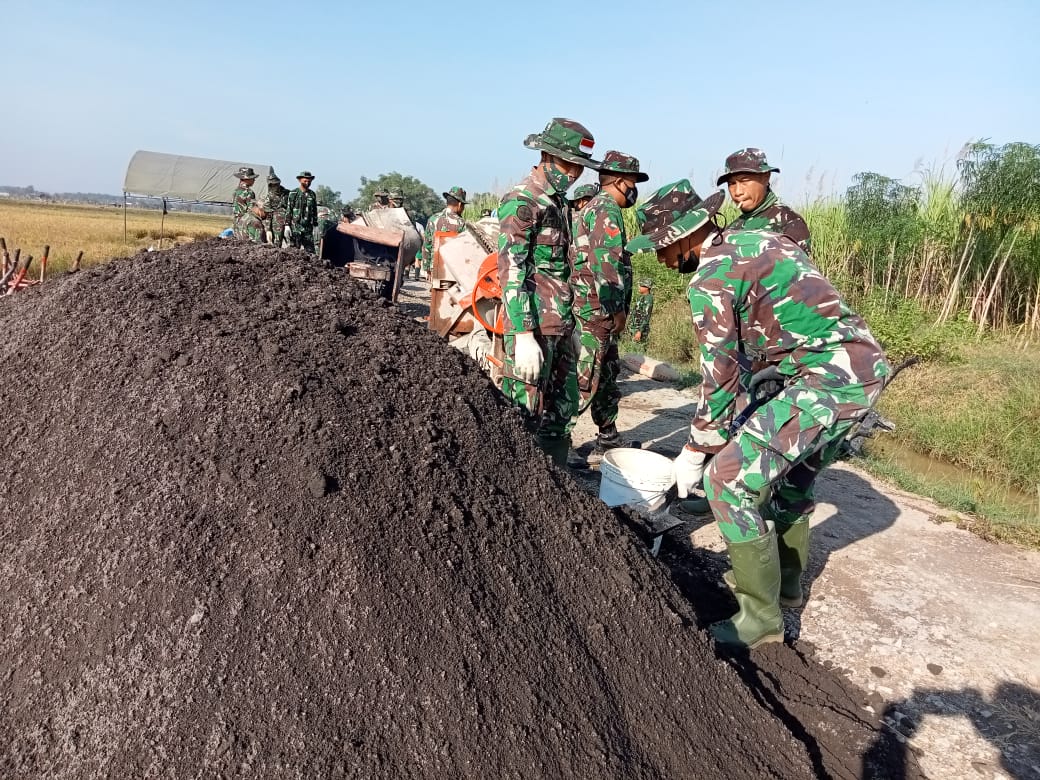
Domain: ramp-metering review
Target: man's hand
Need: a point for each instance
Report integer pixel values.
(527, 358)
(688, 469)
(637, 336)
(620, 320)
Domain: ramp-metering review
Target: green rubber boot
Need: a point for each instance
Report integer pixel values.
(756, 575)
(792, 543)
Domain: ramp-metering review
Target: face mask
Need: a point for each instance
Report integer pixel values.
(630, 197)
(688, 263)
(558, 180)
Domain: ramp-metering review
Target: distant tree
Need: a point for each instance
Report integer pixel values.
(882, 214)
(1001, 185)
(329, 197)
(420, 199)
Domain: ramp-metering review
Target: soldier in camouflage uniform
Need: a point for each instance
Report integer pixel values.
(302, 213)
(448, 220)
(382, 200)
(247, 214)
(639, 317)
(757, 292)
(747, 176)
(601, 282)
(534, 272)
(275, 205)
(396, 199)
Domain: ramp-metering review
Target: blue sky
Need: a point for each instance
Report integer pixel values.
(447, 92)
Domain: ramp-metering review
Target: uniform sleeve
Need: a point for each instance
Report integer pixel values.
(606, 258)
(715, 322)
(290, 208)
(515, 263)
(794, 227)
(426, 251)
(312, 209)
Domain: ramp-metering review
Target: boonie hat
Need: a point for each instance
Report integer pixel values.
(456, 192)
(584, 191)
(621, 163)
(305, 175)
(646, 282)
(566, 139)
(749, 160)
(245, 172)
(672, 213)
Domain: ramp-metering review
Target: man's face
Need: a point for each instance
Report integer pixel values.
(572, 169)
(248, 182)
(643, 289)
(669, 255)
(305, 183)
(748, 190)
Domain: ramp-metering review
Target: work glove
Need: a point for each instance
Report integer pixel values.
(688, 469)
(527, 358)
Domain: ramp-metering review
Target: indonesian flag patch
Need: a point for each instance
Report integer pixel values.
(587, 144)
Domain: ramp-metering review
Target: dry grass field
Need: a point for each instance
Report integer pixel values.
(97, 231)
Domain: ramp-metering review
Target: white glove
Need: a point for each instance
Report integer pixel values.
(527, 358)
(688, 469)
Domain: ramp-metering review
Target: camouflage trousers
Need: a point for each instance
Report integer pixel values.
(302, 238)
(597, 372)
(548, 405)
(775, 458)
(276, 224)
(249, 226)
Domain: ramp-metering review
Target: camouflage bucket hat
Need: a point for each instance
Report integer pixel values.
(621, 163)
(566, 139)
(456, 192)
(646, 282)
(304, 175)
(748, 160)
(672, 213)
(381, 194)
(395, 196)
(245, 172)
(272, 178)
(584, 191)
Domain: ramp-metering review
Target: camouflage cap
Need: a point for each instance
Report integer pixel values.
(672, 213)
(646, 282)
(245, 172)
(380, 194)
(621, 163)
(272, 178)
(566, 139)
(456, 192)
(304, 175)
(584, 191)
(748, 160)
(395, 195)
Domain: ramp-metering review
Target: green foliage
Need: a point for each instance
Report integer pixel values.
(882, 215)
(329, 197)
(1001, 185)
(905, 329)
(672, 337)
(419, 199)
(479, 202)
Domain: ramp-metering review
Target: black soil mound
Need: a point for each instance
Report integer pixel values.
(257, 524)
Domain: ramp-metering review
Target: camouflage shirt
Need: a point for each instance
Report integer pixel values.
(444, 221)
(532, 259)
(277, 199)
(776, 217)
(243, 202)
(758, 293)
(601, 277)
(639, 321)
(302, 210)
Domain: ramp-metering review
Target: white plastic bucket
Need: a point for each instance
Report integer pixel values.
(637, 478)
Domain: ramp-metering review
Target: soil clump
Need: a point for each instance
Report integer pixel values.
(255, 523)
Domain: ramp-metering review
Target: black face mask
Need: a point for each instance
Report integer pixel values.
(630, 197)
(688, 263)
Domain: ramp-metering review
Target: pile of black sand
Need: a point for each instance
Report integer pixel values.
(255, 523)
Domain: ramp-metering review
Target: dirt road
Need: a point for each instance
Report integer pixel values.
(940, 628)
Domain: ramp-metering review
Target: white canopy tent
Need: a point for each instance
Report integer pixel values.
(191, 179)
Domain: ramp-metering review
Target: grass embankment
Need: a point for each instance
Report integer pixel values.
(97, 231)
